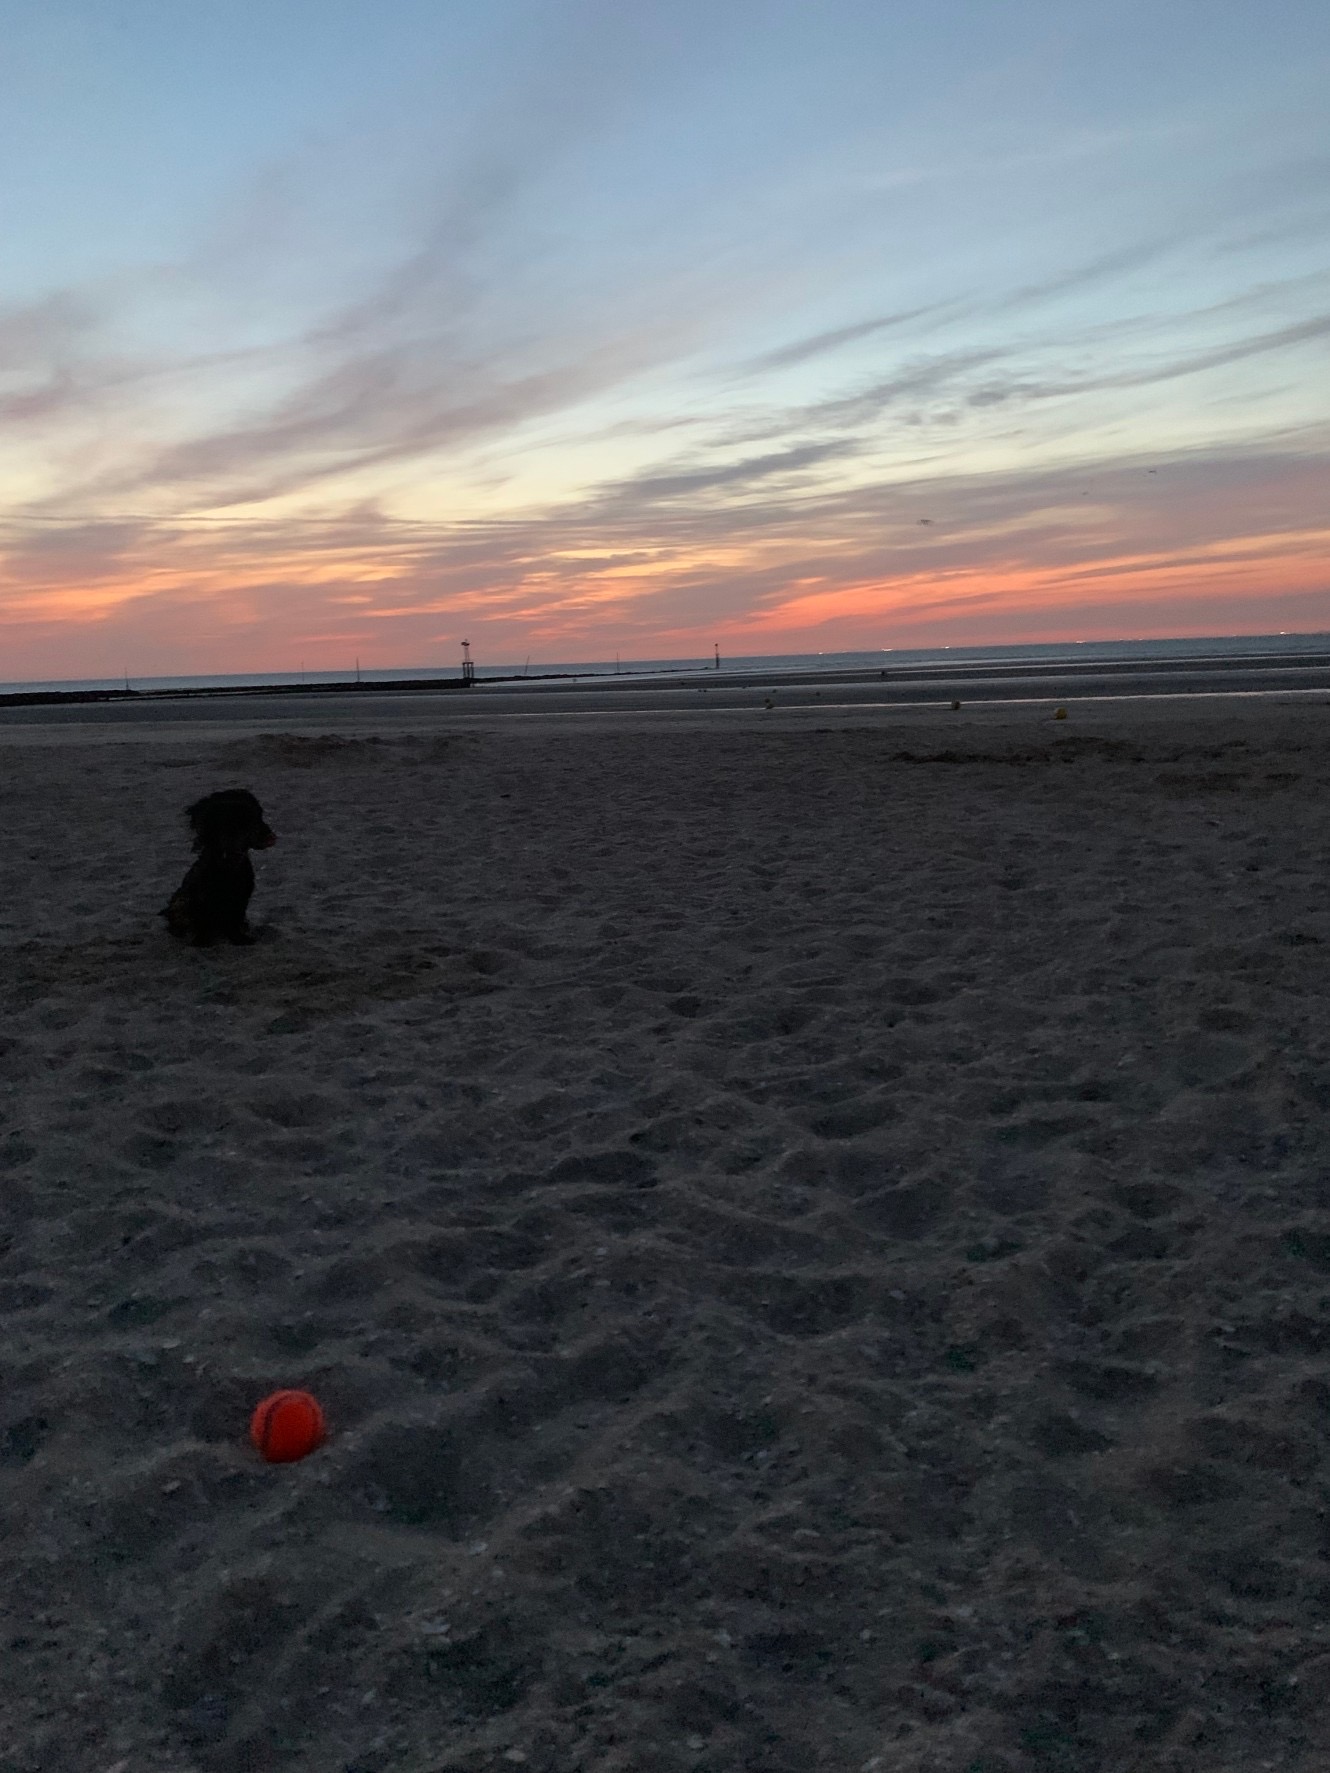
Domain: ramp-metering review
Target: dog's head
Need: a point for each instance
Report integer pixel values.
(231, 819)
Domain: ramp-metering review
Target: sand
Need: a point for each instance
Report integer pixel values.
(814, 1244)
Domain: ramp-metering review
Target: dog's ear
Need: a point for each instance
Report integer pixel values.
(198, 818)
(211, 818)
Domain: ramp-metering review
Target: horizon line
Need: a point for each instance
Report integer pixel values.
(617, 666)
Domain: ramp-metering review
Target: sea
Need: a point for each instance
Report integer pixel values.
(1076, 653)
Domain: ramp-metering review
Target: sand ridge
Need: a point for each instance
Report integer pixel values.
(813, 1246)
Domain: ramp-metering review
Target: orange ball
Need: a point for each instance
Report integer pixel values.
(287, 1426)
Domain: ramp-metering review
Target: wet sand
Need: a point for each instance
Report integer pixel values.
(811, 1228)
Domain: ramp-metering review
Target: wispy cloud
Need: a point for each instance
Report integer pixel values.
(820, 344)
(1168, 370)
(854, 565)
(42, 344)
(543, 300)
(36, 331)
(1106, 268)
(644, 490)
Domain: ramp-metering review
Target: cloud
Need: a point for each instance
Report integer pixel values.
(1099, 270)
(458, 335)
(476, 329)
(41, 346)
(818, 344)
(925, 375)
(1087, 276)
(1194, 363)
(36, 331)
(391, 404)
(640, 570)
(647, 489)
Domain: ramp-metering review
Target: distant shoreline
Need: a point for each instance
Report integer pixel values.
(49, 697)
(1036, 659)
(984, 678)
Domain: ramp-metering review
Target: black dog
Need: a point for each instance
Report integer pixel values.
(212, 899)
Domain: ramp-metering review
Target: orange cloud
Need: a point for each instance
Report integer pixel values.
(1249, 565)
(1218, 546)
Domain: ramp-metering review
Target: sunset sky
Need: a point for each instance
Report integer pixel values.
(340, 329)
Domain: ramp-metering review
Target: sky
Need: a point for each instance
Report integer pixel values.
(351, 329)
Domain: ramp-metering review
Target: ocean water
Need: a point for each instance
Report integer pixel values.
(1231, 646)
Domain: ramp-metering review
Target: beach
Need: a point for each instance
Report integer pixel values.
(810, 1227)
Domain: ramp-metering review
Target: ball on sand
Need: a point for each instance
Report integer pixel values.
(286, 1426)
